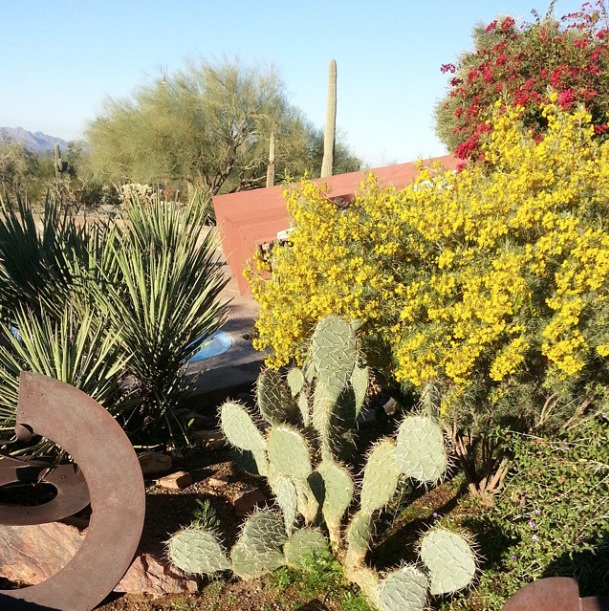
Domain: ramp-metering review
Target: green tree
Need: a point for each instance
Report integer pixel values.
(208, 126)
(21, 170)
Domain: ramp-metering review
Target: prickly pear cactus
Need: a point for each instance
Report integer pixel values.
(259, 548)
(275, 400)
(420, 449)
(450, 560)
(301, 546)
(403, 590)
(197, 551)
(309, 414)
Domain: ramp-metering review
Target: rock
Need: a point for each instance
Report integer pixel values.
(245, 500)
(32, 554)
(153, 463)
(176, 481)
(210, 440)
(151, 573)
(216, 482)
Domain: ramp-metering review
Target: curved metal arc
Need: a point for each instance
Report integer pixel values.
(72, 492)
(85, 430)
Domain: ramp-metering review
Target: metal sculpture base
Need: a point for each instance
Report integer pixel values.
(554, 594)
(109, 466)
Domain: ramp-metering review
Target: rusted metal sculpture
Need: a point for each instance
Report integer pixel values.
(554, 594)
(107, 463)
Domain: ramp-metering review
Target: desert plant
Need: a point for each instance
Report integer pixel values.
(75, 347)
(551, 518)
(47, 261)
(489, 283)
(327, 164)
(309, 414)
(162, 304)
(524, 62)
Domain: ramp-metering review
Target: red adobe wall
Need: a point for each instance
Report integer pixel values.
(249, 218)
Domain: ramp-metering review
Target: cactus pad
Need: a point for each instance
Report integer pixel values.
(403, 590)
(289, 452)
(302, 545)
(239, 428)
(287, 498)
(305, 409)
(359, 535)
(338, 491)
(359, 381)
(381, 477)
(295, 380)
(333, 354)
(275, 399)
(197, 551)
(259, 548)
(450, 560)
(420, 449)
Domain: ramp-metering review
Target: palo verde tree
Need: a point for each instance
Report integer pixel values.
(208, 126)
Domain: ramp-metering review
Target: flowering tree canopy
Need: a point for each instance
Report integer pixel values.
(522, 64)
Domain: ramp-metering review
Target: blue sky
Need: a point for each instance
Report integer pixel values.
(60, 59)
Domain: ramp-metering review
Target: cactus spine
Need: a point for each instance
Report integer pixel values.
(299, 454)
(327, 164)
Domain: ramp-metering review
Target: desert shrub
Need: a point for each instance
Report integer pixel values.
(93, 304)
(551, 519)
(524, 63)
(490, 284)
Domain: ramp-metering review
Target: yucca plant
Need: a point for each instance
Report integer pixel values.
(76, 347)
(162, 304)
(46, 265)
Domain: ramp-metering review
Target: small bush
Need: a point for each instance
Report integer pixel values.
(551, 519)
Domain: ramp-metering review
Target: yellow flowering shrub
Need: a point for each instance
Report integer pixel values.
(492, 282)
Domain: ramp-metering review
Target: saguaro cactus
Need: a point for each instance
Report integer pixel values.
(308, 412)
(59, 165)
(327, 164)
(270, 169)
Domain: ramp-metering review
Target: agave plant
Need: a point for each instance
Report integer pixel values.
(162, 303)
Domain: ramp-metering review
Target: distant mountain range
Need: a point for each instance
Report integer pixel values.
(36, 142)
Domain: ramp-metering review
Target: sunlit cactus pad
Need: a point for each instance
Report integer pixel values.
(260, 546)
(302, 546)
(403, 590)
(197, 551)
(421, 451)
(450, 560)
(239, 428)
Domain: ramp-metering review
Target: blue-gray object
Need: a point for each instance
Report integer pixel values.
(214, 345)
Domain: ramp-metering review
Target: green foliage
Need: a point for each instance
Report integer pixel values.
(96, 304)
(550, 519)
(204, 515)
(207, 125)
(164, 303)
